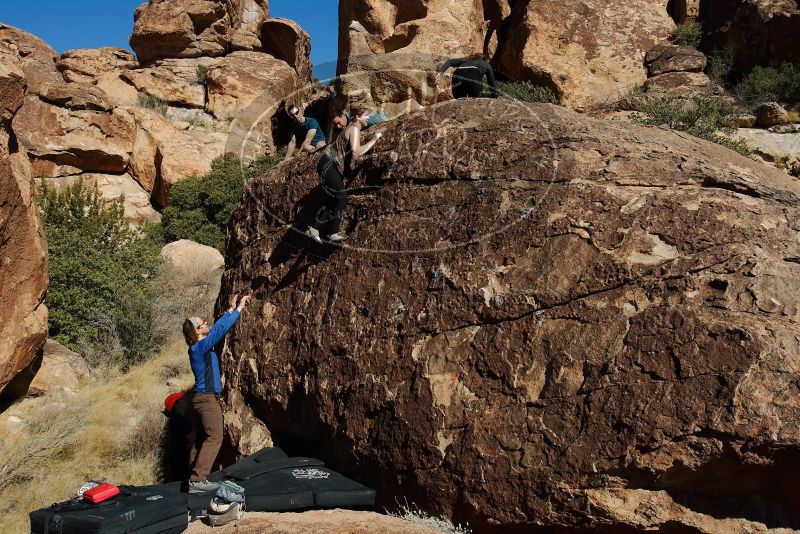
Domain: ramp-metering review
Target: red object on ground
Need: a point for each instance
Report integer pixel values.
(170, 401)
(101, 493)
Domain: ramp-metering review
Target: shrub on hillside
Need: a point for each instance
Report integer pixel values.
(767, 84)
(201, 73)
(146, 100)
(527, 92)
(705, 116)
(688, 33)
(100, 269)
(720, 64)
(200, 208)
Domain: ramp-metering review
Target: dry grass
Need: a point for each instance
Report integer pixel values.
(110, 428)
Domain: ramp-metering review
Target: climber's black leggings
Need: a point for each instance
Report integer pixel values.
(329, 216)
(467, 83)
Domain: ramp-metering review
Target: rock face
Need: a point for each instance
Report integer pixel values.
(588, 52)
(757, 32)
(162, 155)
(195, 28)
(536, 313)
(284, 39)
(315, 522)
(389, 50)
(85, 65)
(61, 370)
(23, 257)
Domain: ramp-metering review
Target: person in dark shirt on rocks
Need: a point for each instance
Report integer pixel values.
(333, 169)
(206, 411)
(307, 133)
(468, 77)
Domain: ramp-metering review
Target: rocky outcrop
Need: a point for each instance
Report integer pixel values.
(756, 32)
(239, 79)
(589, 53)
(23, 258)
(62, 370)
(682, 84)
(196, 28)
(284, 39)
(315, 522)
(536, 313)
(674, 58)
(162, 154)
(174, 81)
(57, 137)
(86, 65)
(389, 50)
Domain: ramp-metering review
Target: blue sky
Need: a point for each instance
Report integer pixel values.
(66, 24)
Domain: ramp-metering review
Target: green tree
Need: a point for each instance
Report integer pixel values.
(100, 269)
(200, 208)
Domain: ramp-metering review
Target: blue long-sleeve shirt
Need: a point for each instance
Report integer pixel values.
(203, 359)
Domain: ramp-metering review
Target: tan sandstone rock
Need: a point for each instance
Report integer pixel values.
(315, 522)
(87, 140)
(23, 276)
(590, 53)
(61, 370)
(162, 154)
(34, 57)
(390, 50)
(533, 306)
(85, 65)
(188, 257)
(285, 39)
(195, 28)
(175, 81)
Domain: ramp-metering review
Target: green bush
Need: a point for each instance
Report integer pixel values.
(100, 269)
(688, 33)
(705, 116)
(200, 208)
(146, 100)
(202, 73)
(720, 64)
(766, 84)
(526, 92)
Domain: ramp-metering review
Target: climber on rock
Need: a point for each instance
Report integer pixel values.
(206, 411)
(333, 168)
(341, 120)
(307, 132)
(468, 77)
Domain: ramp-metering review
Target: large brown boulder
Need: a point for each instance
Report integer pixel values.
(196, 28)
(388, 51)
(537, 315)
(23, 258)
(285, 39)
(87, 140)
(588, 52)
(756, 32)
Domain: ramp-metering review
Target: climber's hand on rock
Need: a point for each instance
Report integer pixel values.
(243, 302)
